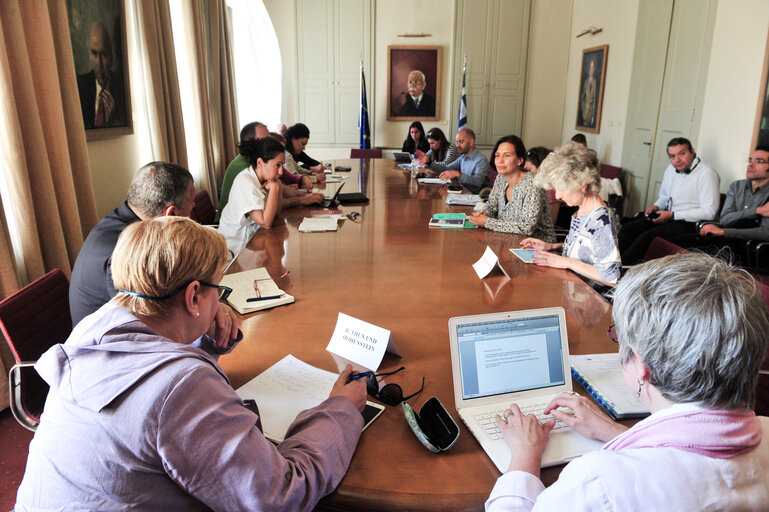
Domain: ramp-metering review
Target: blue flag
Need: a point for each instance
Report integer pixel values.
(462, 121)
(365, 133)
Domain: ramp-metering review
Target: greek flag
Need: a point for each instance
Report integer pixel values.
(462, 121)
(365, 133)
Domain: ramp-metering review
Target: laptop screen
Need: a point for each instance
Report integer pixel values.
(510, 355)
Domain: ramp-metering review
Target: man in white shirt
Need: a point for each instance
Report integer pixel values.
(689, 193)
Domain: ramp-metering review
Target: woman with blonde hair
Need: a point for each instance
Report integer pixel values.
(590, 248)
(140, 415)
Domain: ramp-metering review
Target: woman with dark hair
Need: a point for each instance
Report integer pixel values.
(416, 139)
(297, 161)
(534, 158)
(516, 204)
(441, 150)
(256, 195)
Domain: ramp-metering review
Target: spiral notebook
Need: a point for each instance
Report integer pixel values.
(601, 376)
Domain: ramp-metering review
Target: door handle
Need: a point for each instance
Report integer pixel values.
(647, 143)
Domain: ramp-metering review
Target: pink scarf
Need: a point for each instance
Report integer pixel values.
(713, 433)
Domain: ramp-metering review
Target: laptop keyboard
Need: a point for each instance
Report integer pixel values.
(486, 419)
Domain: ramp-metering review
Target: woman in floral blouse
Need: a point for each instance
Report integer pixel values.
(590, 248)
(516, 204)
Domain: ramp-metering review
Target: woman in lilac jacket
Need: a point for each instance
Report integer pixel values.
(140, 416)
(692, 336)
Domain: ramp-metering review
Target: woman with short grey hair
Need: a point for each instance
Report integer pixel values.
(692, 335)
(590, 247)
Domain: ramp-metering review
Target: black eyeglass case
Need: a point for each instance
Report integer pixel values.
(433, 425)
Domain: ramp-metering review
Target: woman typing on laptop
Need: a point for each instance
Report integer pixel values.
(692, 336)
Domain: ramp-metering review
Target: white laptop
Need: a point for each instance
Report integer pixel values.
(520, 357)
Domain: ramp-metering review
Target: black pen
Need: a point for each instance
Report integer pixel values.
(269, 297)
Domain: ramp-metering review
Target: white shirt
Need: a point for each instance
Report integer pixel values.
(644, 479)
(235, 223)
(691, 197)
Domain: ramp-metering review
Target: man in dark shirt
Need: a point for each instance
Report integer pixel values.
(159, 188)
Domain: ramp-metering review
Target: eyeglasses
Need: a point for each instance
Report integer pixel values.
(390, 394)
(759, 161)
(224, 291)
(612, 334)
(259, 292)
(354, 216)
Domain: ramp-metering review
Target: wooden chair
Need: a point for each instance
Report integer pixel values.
(33, 320)
(660, 248)
(365, 153)
(203, 210)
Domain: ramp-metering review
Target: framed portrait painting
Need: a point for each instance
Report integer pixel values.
(413, 83)
(591, 84)
(97, 31)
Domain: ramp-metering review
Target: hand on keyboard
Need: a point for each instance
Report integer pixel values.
(525, 436)
(585, 416)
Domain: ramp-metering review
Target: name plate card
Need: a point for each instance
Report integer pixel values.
(360, 342)
(488, 262)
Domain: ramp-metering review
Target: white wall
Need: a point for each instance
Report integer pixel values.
(618, 20)
(393, 17)
(549, 38)
(732, 93)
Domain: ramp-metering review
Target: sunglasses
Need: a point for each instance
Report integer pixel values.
(390, 394)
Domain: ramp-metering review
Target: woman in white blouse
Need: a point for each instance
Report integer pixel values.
(692, 336)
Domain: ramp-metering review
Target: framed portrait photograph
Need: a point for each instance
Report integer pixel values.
(97, 31)
(413, 83)
(591, 83)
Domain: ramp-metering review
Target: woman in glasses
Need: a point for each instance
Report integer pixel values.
(516, 204)
(534, 158)
(590, 248)
(141, 416)
(415, 139)
(692, 336)
(441, 151)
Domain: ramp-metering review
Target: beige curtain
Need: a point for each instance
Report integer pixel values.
(213, 82)
(164, 106)
(44, 154)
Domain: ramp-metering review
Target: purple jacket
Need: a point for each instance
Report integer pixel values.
(135, 420)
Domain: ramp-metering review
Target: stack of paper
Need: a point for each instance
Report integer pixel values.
(311, 224)
(284, 390)
(433, 181)
(243, 288)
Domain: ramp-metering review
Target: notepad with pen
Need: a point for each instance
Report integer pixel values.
(601, 376)
(254, 290)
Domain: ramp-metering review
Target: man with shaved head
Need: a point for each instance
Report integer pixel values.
(102, 97)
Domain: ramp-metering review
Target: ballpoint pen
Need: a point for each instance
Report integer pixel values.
(269, 297)
(358, 375)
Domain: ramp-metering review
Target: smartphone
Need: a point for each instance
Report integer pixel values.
(455, 189)
(343, 168)
(370, 413)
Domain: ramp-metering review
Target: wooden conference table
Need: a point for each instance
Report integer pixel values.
(393, 271)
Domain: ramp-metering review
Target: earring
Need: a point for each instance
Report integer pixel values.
(640, 384)
(198, 314)
(582, 196)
